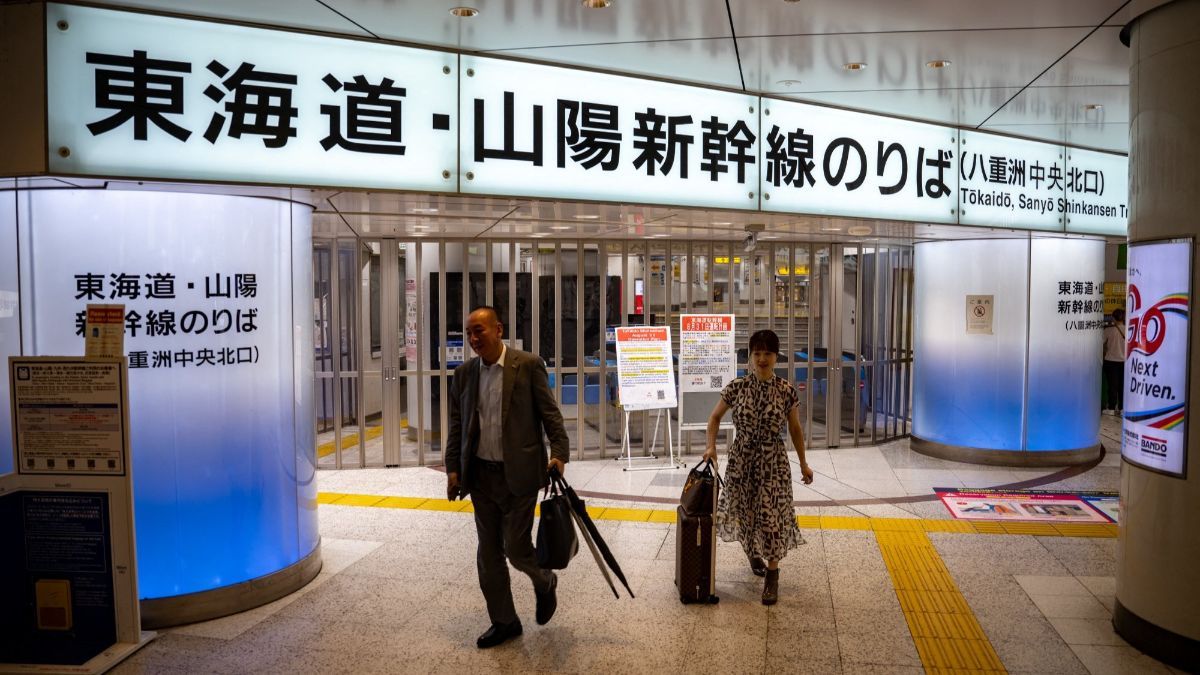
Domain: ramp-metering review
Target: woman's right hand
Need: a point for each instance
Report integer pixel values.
(710, 455)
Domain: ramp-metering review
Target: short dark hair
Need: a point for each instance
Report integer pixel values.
(765, 341)
(1118, 314)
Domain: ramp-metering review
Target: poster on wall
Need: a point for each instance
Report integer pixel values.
(979, 314)
(645, 374)
(1154, 435)
(410, 321)
(707, 356)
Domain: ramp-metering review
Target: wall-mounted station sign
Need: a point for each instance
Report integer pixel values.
(133, 95)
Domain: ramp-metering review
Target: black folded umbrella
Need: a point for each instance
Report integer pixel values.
(591, 534)
(595, 554)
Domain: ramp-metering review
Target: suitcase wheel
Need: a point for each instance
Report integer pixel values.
(712, 599)
(685, 599)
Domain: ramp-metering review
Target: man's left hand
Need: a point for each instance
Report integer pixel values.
(557, 464)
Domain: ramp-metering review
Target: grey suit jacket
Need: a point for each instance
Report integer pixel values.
(528, 409)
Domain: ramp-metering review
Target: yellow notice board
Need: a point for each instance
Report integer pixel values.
(1114, 296)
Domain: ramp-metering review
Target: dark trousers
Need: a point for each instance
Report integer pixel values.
(1114, 380)
(504, 522)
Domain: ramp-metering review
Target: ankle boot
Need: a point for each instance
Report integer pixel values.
(771, 587)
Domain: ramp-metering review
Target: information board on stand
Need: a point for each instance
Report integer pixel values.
(646, 381)
(69, 564)
(707, 362)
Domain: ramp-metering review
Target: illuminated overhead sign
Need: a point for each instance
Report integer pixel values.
(1097, 192)
(1009, 182)
(554, 132)
(829, 161)
(144, 96)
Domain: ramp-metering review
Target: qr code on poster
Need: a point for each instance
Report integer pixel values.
(714, 382)
(662, 395)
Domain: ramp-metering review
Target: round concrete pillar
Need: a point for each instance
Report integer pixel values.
(1158, 580)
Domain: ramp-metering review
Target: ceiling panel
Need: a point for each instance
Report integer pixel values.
(305, 14)
(964, 107)
(775, 17)
(1100, 59)
(1110, 137)
(712, 62)
(980, 59)
(510, 24)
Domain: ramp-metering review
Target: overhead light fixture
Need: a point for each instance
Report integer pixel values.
(561, 228)
(597, 4)
(768, 236)
(721, 222)
(1093, 106)
(831, 229)
(419, 209)
(464, 12)
(587, 216)
(859, 230)
(855, 65)
(937, 63)
(788, 83)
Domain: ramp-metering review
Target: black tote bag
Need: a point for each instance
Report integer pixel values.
(557, 542)
(699, 496)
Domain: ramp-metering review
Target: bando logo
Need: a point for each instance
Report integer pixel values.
(1154, 446)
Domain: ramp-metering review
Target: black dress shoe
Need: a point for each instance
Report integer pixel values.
(547, 601)
(498, 634)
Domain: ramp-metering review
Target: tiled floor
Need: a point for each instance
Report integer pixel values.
(398, 591)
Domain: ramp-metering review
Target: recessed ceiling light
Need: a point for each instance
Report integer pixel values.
(660, 235)
(721, 222)
(464, 12)
(419, 209)
(768, 236)
(831, 229)
(859, 230)
(587, 216)
(855, 65)
(937, 63)
(596, 4)
(561, 228)
(1093, 106)
(788, 83)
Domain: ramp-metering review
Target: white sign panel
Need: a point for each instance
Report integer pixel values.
(1154, 435)
(707, 354)
(554, 132)
(1097, 192)
(1009, 182)
(979, 314)
(644, 372)
(147, 96)
(68, 415)
(823, 160)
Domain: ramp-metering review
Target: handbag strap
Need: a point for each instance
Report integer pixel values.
(711, 467)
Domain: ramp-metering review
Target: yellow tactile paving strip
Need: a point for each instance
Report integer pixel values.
(348, 441)
(948, 638)
(918, 525)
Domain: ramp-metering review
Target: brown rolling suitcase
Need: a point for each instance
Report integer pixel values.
(695, 558)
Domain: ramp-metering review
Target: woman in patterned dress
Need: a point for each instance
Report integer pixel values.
(755, 507)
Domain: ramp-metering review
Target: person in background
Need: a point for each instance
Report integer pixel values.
(755, 508)
(500, 403)
(1114, 363)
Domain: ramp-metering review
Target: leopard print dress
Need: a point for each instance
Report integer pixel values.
(755, 506)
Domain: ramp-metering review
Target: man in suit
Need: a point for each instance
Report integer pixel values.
(500, 403)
